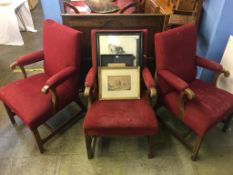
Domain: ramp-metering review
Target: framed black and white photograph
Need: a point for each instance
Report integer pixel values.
(119, 47)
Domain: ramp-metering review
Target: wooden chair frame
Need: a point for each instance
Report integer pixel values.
(41, 141)
(91, 140)
(188, 94)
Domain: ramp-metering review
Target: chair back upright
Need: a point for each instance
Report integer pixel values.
(176, 52)
(60, 47)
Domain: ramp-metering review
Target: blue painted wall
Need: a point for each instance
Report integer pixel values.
(214, 30)
(52, 9)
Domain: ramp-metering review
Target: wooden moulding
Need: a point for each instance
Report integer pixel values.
(225, 72)
(185, 94)
(86, 22)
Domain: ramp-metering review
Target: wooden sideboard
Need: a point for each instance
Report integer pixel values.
(86, 22)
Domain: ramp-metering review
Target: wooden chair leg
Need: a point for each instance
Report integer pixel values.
(151, 147)
(10, 114)
(196, 148)
(227, 123)
(88, 140)
(38, 139)
(79, 102)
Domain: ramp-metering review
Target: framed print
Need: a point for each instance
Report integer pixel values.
(119, 47)
(119, 83)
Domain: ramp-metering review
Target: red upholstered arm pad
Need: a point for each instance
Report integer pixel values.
(90, 77)
(147, 78)
(173, 80)
(209, 64)
(28, 59)
(59, 78)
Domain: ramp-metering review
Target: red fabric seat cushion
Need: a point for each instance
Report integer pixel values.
(25, 98)
(120, 118)
(210, 106)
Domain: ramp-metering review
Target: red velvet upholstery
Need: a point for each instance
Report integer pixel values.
(61, 55)
(176, 51)
(25, 98)
(147, 77)
(209, 64)
(60, 51)
(91, 77)
(30, 58)
(176, 64)
(210, 106)
(119, 117)
(173, 80)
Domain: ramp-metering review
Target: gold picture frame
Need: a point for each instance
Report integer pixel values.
(119, 83)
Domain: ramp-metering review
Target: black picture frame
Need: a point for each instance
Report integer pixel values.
(119, 47)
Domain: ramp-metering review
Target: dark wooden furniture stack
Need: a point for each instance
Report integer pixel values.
(180, 11)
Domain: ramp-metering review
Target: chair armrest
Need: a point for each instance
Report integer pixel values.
(27, 59)
(149, 81)
(67, 4)
(181, 86)
(130, 5)
(173, 80)
(90, 77)
(209, 64)
(90, 81)
(58, 78)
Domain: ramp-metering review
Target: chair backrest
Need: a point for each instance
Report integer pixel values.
(68, 5)
(61, 47)
(94, 33)
(175, 51)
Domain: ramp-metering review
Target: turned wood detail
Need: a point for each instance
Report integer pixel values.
(184, 95)
(225, 72)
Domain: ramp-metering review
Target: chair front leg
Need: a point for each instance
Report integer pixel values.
(79, 102)
(196, 147)
(39, 142)
(227, 123)
(89, 148)
(151, 147)
(10, 114)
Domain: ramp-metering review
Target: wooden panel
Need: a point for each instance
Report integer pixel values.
(185, 5)
(153, 22)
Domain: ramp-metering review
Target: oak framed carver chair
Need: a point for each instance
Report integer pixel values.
(37, 98)
(118, 117)
(199, 105)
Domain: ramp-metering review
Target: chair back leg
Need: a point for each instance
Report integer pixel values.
(196, 147)
(227, 123)
(10, 114)
(39, 142)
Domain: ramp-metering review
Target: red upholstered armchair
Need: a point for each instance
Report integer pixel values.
(197, 104)
(118, 117)
(37, 98)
